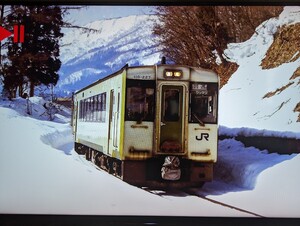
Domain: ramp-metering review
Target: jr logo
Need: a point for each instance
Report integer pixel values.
(203, 135)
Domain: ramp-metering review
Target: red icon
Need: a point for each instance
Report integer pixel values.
(18, 33)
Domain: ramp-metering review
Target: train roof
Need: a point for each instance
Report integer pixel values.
(196, 69)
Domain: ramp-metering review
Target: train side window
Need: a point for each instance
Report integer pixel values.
(140, 100)
(103, 107)
(98, 111)
(203, 102)
(90, 111)
(94, 109)
(86, 110)
(80, 110)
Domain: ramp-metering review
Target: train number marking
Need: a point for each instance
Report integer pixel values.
(203, 135)
(145, 77)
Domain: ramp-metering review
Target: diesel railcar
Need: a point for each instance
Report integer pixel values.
(150, 125)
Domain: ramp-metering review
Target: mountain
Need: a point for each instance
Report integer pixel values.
(89, 56)
(264, 93)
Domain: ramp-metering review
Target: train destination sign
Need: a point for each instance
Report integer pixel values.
(199, 88)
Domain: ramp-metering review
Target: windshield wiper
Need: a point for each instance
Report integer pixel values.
(198, 119)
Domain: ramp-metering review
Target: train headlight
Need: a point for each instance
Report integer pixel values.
(173, 73)
(177, 74)
(169, 73)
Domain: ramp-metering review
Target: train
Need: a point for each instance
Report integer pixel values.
(150, 126)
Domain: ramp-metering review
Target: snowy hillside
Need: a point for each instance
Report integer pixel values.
(87, 57)
(242, 99)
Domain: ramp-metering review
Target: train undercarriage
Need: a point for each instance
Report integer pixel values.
(156, 172)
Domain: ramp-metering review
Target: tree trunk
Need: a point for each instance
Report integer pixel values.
(31, 93)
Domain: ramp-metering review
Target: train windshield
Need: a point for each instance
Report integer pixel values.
(140, 100)
(203, 102)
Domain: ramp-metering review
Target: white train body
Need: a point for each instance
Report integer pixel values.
(150, 125)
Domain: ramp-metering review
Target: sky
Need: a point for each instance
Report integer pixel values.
(92, 13)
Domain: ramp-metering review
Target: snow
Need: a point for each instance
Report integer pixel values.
(78, 75)
(40, 173)
(105, 31)
(241, 99)
(260, 182)
(89, 56)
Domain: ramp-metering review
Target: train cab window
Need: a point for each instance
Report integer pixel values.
(140, 100)
(203, 103)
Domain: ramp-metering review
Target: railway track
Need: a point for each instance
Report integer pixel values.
(188, 191)
(194, 193)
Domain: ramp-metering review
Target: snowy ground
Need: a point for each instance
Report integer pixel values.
(40, 173)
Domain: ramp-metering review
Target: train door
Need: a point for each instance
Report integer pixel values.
(114, 108)
(172, 117)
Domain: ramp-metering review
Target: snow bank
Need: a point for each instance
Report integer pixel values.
(240, 166)
(59, 138)
(263, 183)
(257, 181)
(38, 108)
(248, 132)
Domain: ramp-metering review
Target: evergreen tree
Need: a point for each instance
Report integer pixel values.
(41, 47)
(13, 65)
(36, 61)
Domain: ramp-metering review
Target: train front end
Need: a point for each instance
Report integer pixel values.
(170, 128)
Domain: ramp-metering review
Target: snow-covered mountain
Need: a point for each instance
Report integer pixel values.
(89, 56)
(244, 101)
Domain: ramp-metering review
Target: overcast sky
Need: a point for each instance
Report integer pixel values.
(93, 13)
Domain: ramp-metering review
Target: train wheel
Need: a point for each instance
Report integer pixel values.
(93, 156)
(98, 159)
(117, 168)
(103, 162)
(88, 154)
(110, 166)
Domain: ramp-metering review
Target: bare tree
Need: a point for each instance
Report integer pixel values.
(198, 35)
